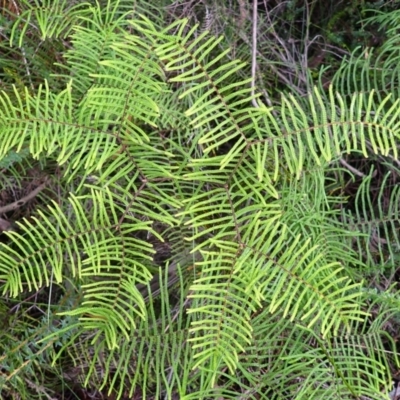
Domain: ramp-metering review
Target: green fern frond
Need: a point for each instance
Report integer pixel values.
(52, 19)
(86, 248)
(376, 218)
(13, 158)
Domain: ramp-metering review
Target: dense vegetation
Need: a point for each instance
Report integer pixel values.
(199, 200)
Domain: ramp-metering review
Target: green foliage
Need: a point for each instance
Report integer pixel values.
(156, 140)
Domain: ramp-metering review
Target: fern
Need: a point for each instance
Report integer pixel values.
(157, 140)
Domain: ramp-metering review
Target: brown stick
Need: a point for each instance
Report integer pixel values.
(21, 202)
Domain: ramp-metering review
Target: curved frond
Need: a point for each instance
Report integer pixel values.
(85, 249)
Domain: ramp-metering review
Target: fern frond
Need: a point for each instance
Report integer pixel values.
(85, 249)
(376, 217)
(131, 362)
(52, 19)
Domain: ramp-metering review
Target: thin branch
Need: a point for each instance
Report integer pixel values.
(21, 202)
(254, 55)
(350, 168)
(28, 72)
